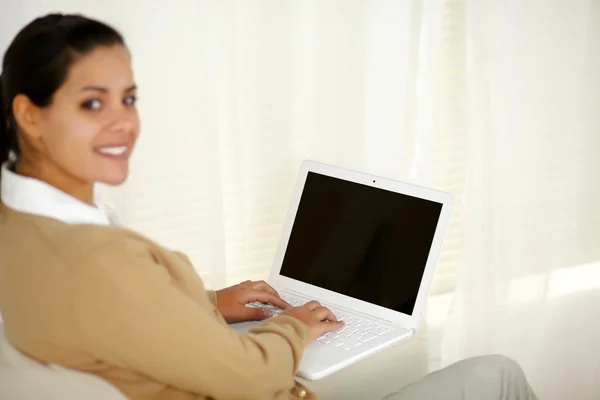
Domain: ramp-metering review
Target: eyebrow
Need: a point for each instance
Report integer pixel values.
(104, 89)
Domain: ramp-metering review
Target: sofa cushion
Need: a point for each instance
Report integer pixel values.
(22, 378)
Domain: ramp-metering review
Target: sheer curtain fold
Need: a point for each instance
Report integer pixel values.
(333, 81)
(530, 260)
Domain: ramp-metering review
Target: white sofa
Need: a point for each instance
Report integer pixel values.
(22, 378)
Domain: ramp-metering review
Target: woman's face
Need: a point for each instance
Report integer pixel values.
(92, 124)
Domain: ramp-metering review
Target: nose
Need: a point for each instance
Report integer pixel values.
(124, 123)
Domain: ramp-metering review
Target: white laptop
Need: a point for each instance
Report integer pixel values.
(365, 247)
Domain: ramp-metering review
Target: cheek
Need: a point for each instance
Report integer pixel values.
(71, 145)
(136, 125)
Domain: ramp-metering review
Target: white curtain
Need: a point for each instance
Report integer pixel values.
(529, 266)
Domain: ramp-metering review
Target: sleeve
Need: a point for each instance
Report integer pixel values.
(131, 316)
(212, 296)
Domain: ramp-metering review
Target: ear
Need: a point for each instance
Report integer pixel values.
(26, 114)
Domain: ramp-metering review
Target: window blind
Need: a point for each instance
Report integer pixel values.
(451, 136)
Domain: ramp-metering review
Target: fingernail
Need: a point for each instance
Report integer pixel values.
(268, 313)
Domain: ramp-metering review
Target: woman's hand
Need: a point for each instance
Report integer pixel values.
(319, 319)
(231, 301)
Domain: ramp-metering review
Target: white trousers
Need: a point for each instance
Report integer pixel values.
(480, 378)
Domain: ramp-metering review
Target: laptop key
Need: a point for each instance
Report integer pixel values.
(349, 341)
(367, 337)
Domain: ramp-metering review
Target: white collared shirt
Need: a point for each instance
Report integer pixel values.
(32, 196)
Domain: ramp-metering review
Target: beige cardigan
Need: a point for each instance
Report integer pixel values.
(108, 301)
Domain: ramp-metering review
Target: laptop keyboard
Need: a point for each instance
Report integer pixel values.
(355, 332)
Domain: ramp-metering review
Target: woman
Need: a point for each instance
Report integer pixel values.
(91, 296)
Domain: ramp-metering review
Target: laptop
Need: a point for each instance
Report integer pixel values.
(365, 247)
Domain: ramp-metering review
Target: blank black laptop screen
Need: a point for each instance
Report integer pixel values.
(364, 242)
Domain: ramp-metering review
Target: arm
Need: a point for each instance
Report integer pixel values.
(131, 316)
(212, 296)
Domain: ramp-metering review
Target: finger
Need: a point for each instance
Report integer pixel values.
(251, 314)
(323, 313)
(266, 297)
(326, 327)
(262, 285)
(311, 305)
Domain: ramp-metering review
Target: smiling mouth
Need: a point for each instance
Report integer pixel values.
(112, 151)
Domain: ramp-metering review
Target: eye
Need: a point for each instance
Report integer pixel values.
(93, 104)
(130, 100)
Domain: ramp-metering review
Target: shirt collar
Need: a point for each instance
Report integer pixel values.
(32, 196)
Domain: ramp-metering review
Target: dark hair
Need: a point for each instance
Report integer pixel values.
(37, 62)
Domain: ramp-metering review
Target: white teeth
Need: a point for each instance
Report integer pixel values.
(113, 151)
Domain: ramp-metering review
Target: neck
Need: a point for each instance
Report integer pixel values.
(60, 179)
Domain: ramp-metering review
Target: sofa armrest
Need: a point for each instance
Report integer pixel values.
(22, 378)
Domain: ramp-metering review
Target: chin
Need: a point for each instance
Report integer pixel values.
(113, 180)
